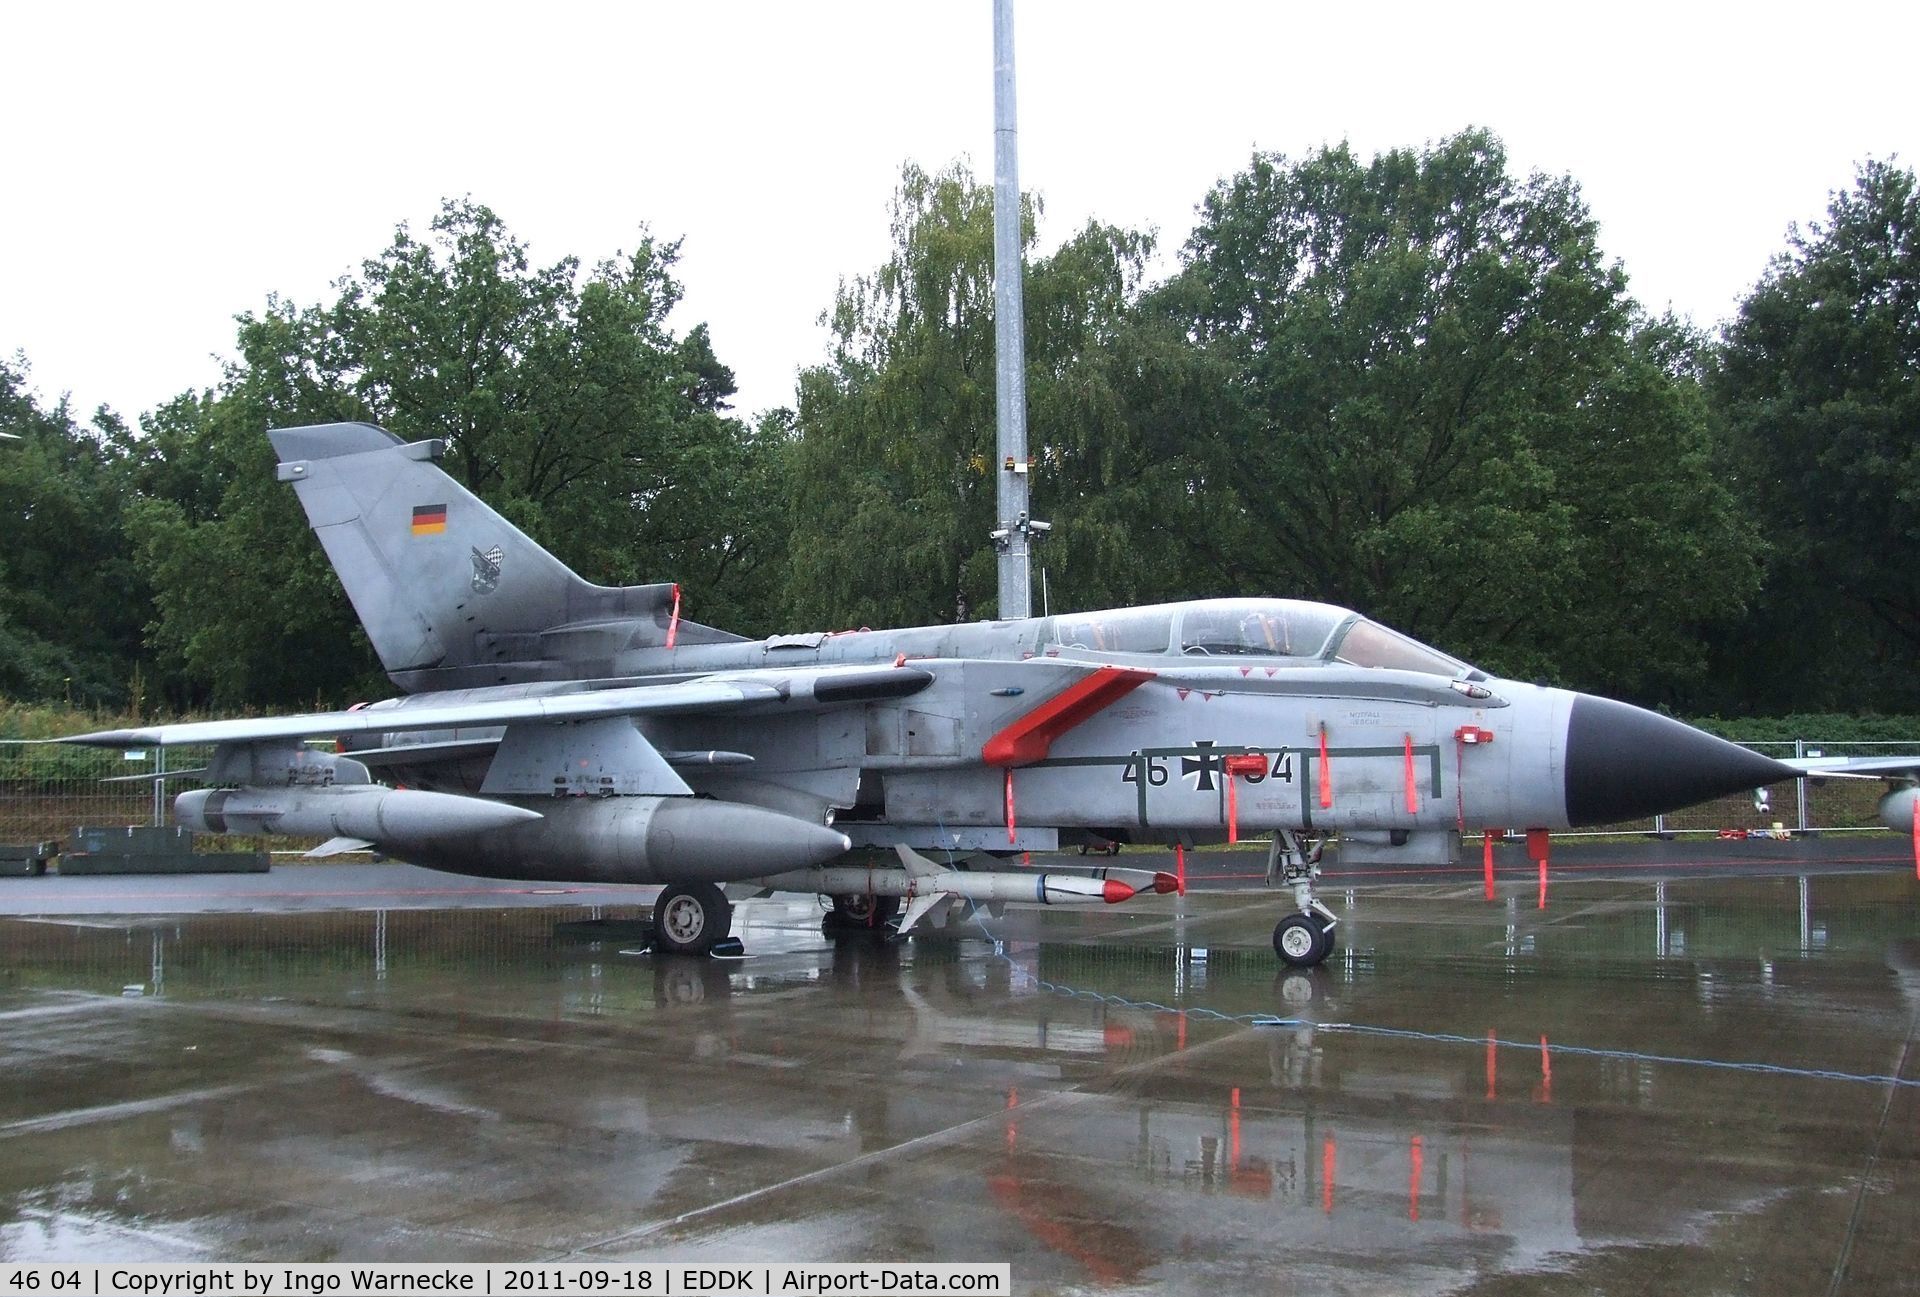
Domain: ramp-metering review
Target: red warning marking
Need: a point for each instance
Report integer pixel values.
(1272, 671)
(1418, 1156)
(1325, 772)
(673, 621)
(1180, 875)
(1031, 737)
(1233, 1129)
(1254, 766)
(1413, 793)
(1246, 671)
(1011, 838)
(1183, 693)
(1486, 859)
(1539, 845)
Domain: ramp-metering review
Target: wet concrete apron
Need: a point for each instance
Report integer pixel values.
(1469, 1097)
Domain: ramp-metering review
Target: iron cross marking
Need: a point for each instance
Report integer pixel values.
(1201, 767)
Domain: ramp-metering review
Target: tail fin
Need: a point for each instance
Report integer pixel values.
(451, 593)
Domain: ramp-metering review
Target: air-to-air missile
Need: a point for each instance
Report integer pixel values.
(925, 884)
(555, 729)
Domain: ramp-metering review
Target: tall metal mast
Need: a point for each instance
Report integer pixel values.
(1013, 533)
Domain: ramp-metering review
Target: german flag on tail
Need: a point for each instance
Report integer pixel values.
(429, 519)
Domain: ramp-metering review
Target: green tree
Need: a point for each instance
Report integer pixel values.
(1819, 383)
(1445, 412)
(565, 400)
(70, 599)
(893, 472)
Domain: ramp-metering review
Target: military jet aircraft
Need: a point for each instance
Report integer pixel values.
(555, 729)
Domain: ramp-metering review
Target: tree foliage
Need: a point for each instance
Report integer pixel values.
(565, 400)
(1446, 412)
(1411, 384)
(1819, 382)
(894, 472)
(70, 598)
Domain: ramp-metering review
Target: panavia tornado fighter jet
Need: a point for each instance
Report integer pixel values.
(555, 729)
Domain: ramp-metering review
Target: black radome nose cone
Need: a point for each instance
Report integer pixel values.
(1626, 763)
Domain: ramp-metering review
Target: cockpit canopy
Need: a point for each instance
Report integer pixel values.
(1298, 630)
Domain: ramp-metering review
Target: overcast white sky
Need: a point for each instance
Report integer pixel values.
(167, 166)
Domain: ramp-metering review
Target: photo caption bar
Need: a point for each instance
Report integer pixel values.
(549, 1279)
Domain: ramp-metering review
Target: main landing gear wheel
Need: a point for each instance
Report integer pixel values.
(689, 918)
(1303, 940)
(860, 913)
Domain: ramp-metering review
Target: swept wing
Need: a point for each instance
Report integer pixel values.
(745, 691)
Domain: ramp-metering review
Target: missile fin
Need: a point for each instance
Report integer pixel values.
(916, 865)
(920, 908)
(337, 846)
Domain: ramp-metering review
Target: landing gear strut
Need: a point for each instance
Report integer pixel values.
(1305, 938)
(689, 918)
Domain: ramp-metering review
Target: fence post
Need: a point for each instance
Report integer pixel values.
(159, 786)
(1800, 787)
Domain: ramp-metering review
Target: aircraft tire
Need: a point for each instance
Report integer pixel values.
(853, 915)
(689, 918)
(1302, 940)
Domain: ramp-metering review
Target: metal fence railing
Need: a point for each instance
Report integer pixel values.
(48, 791)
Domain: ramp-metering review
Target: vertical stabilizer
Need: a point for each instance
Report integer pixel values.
(450, 592)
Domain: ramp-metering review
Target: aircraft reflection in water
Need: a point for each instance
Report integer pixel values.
(1084, 1140)
(555, 729)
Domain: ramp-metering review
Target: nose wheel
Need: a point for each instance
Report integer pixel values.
(1304, 938)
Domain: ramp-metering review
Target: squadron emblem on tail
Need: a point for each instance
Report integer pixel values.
(486, 570)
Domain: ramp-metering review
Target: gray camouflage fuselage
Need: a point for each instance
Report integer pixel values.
(656, 749)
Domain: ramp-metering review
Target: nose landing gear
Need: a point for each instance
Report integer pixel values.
(1305, 938)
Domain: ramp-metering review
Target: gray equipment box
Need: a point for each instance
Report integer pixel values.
(144, 849)
(25, 859)
(133, 840)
